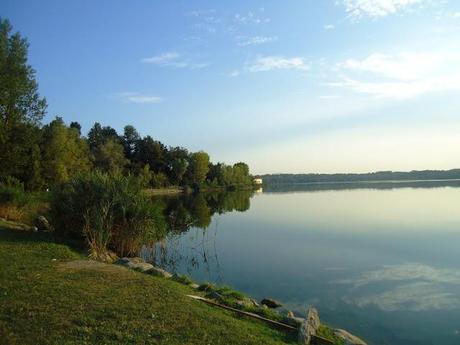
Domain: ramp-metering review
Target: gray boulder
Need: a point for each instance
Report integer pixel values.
(348, 338)
(42, 224)
(271, 303)
(142, 266)
(155, 271)
(134, 263)
(214, 295)
(309, 327)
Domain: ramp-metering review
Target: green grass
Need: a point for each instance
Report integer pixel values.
(45, 300)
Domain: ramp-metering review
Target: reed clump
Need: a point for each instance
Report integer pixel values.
(109, 211)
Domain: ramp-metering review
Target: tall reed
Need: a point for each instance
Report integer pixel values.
(109, 211)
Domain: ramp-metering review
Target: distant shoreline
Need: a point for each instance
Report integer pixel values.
(370, 181)
(372, 177)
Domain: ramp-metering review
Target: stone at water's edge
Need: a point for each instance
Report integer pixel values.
(143, 266)
(348, 338)
(158, 272)
(309, 327)
(271, 303)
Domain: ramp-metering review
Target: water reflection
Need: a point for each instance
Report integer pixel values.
(409, 287)
(190, 244)
(336, 186)
(381, 260)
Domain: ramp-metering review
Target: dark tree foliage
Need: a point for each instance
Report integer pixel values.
(177, 163)
(76, 126)
(130, 140)
(98, 135)
(151, 152)
(21, 107)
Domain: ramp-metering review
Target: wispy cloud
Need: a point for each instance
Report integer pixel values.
(251, 18)
(173, 60)
(268, 63)
(328, 97)
(234, 73)
(357, 9)
(402, 75)
(329, 27)
(134, 97)
(255, 40)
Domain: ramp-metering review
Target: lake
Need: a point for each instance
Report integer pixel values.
(381, 260)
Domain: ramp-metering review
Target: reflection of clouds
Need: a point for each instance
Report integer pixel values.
(412, 297)
(410, 271)
(415, 287)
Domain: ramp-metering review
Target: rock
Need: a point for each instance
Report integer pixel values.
(271, 303)
(293, 321)
(214, 295)
(155, 271)
(42, 224)
(143, 266)
(33, 229)
(309, 327)
(247, 302)
(254, 302)
(194, 286)
(135, 263)
(348, 338)
(122, 261)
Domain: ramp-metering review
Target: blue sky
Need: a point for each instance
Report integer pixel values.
(287, 86)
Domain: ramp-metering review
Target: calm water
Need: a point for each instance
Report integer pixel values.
(381, 260)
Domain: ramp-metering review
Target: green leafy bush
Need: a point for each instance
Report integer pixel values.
(12, 192)
(109, 211)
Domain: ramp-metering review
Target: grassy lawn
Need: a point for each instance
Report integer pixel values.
(46, 297)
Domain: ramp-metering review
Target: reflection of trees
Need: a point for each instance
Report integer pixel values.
(184, 211)
(190, 244)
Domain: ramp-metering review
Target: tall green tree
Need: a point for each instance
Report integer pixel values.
(198, 167)
(98, 135)
(130, 138)
(177, 163)
(21, 107)
(151, 152)
(109, 156)
(64, 153)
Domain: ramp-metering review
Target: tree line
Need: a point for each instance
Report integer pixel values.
(365, 177)
(41, 156)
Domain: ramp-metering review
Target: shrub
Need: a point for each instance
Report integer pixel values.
(12, 192)
(13, 199)
(108, 211)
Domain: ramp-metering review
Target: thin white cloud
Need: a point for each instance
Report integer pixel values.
(268, 63)
(251, 18)
(402, 75)
(162, 59)
(357, 9)
(173, 60)
(329, 27)
(255, 40)
(326, 97)
(234, 73)
(134, 97)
